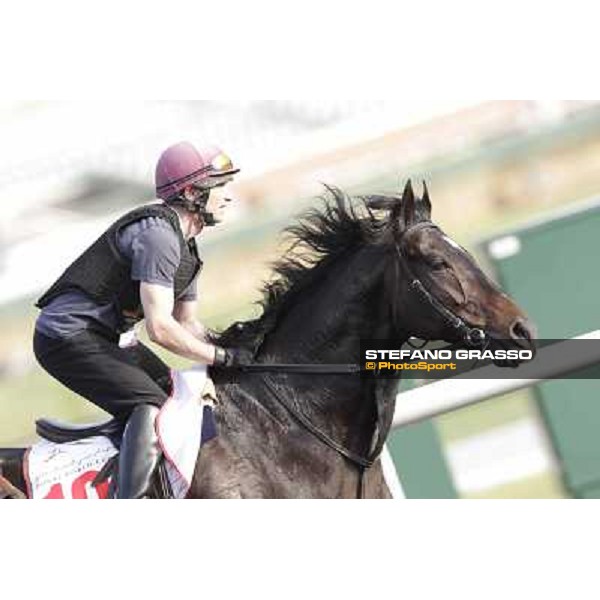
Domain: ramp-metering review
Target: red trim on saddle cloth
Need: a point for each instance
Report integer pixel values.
(26, 473)
(157, 430)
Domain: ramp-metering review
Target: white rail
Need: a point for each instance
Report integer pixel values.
(446, 396)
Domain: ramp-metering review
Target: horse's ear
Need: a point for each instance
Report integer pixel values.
(408, 205)
(426, 201)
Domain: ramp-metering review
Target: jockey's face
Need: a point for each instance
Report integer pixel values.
(217, 203)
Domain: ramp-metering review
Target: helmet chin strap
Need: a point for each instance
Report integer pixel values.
(208, 218)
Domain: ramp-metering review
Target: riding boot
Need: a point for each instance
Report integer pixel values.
(139, 455)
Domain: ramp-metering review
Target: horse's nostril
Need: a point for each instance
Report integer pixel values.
(520, 331)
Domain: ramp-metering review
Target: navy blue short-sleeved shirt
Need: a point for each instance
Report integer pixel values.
(153, 248)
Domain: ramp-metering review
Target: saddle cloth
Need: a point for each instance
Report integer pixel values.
(185, 422)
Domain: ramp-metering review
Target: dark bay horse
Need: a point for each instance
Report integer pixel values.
(374, 267)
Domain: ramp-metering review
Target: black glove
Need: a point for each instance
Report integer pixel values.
(232, 358)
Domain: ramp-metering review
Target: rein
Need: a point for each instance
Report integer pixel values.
(308, 369)
(298, 415)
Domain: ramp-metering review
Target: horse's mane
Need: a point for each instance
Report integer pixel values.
(318, 238)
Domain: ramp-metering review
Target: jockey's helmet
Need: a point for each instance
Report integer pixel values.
(183, 164)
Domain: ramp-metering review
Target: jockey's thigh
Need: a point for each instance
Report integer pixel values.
(158, 370)
(113, 378)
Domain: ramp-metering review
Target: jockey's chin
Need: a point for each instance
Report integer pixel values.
(197, 225)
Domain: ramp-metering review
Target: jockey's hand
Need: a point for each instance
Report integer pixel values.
(232, 358)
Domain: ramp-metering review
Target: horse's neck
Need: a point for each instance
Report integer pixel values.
(329, 318)
(327, 328)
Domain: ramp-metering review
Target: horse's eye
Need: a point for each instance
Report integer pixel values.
(436, 263)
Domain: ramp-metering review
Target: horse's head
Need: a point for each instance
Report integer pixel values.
(439, 284)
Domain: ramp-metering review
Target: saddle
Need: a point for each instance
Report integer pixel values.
(64, 433)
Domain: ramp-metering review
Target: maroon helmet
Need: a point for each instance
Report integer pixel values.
(182, 165)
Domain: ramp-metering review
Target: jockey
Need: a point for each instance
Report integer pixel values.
(144, 266)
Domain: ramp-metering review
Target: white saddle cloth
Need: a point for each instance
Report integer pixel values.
(68, 470)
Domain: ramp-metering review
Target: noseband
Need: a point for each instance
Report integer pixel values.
(473, 337)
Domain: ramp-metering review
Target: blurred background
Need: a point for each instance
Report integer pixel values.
(497, 171)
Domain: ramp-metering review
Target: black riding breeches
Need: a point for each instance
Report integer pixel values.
(113, 378)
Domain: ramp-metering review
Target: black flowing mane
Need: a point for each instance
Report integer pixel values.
(319, 237)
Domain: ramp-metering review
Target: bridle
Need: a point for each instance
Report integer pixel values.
(473, 337)
(468, 335)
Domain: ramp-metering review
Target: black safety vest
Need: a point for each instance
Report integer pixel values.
(104, 274)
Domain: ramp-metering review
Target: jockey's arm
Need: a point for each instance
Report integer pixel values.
(185, 314)
(164, 329)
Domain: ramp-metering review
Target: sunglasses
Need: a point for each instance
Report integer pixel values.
(222, 164)
(222, 170)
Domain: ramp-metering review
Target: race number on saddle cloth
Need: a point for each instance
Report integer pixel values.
(184, 424)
